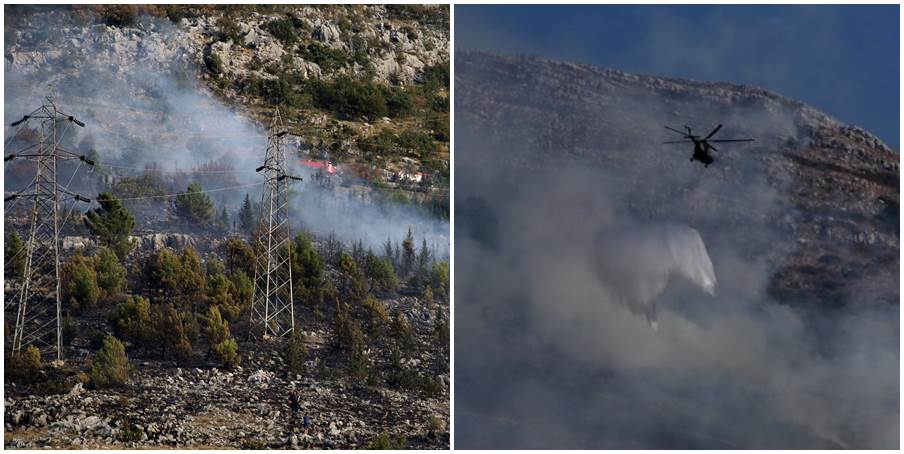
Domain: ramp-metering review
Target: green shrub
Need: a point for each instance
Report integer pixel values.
(217, 329)
(163, 271)
(327, 58)
(352, 284)
(68, 330)
(214, 64)
(431, 386)
(241, 289)
(282, 29)
(419, 142)
(175, 13)
(229, 30)
(239, 256)
(111, 365)
(439, 277)
(437, 77)
(24, 366)
(295, 353)
(440, 127)
(79, 287)
(307, 264)
(121, 15)
(381, 274)
(347, 333)
(171, 331)
(132, 320)
(439, 104)
(398, 101)
(191, 278)
(385, 441)
(227, 353)
(222, 346)
(377, 316)
(435, 425)
(111, 276)
(350, 97)
(441, 329)
(401, 329)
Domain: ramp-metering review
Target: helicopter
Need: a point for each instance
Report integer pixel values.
(702, 146)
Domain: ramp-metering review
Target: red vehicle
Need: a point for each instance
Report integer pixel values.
(327, 166)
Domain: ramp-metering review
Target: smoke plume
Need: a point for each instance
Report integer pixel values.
(547, 357)
(138, 92)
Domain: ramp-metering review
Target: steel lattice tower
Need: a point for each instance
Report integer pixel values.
(37, 301)
(272, 305)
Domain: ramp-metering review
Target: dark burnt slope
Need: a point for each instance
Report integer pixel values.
(828, 191)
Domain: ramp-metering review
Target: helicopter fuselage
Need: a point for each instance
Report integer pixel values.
(702, 145)
(701, 154)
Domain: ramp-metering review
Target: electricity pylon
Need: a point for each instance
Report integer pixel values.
(38, 298)
(272, 306)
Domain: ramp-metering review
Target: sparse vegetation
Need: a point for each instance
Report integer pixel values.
(229, 29)
(282, 29)
(214, 63)
(327, 58)
(385, 441)
(182, 315)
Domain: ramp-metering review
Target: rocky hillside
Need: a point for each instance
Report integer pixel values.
(826, 193)
(361, 84)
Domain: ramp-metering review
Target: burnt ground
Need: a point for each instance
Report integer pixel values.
(164, 405)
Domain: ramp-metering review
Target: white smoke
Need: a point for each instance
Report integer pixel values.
(636, 263)
(544, 341)
(138, 93)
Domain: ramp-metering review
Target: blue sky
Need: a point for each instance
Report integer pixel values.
(843, 60)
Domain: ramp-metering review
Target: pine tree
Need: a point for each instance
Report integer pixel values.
(387, 250)
(112, 224)
(111, 276)
(223, 219)
(222, 346)
(14, 250)
(111, 365)
(422, 273)
(169, 331)
(194, 205)
(246, 215)
(408, 254)
(79, 286)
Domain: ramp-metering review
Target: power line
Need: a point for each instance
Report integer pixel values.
(161, 196)
(176, 171)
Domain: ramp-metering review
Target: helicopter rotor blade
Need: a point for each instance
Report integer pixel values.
(710, 146)
(732, 140)
(714, 131)
(675, 130)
